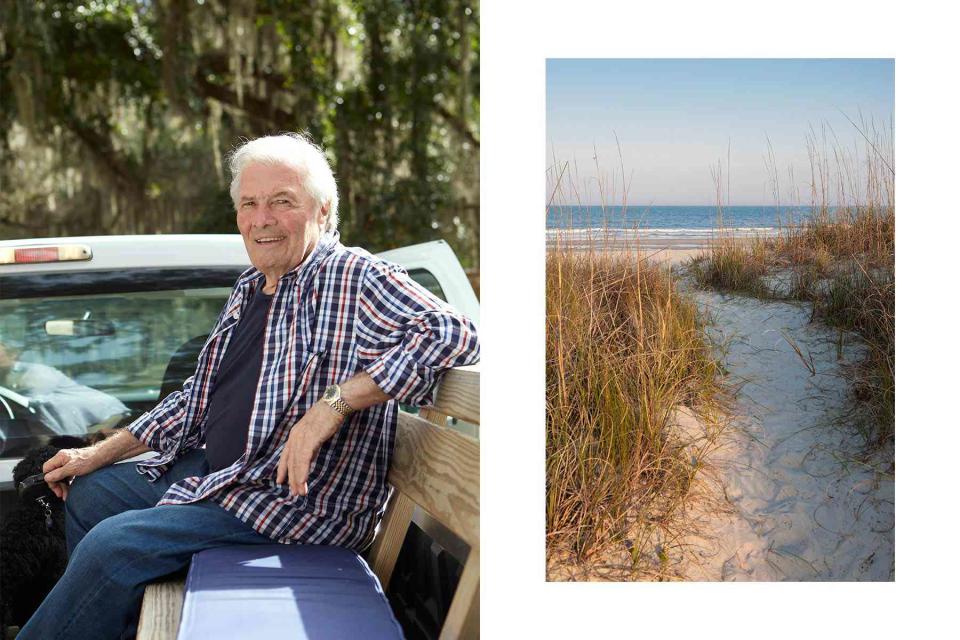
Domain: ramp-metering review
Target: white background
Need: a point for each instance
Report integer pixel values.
(516, 39)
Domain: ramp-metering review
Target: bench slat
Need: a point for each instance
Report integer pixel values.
(439, 469)
(459, 394)
(393, 529)
(463, 618)
(160, 614)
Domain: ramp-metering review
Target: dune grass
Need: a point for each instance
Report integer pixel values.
(624, 350)
(734, 264)
(840, 259)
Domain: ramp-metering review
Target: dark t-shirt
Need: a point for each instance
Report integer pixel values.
(235, 389)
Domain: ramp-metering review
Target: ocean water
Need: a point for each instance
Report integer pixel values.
(620, 224)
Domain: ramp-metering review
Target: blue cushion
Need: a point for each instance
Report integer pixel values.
(284, 591)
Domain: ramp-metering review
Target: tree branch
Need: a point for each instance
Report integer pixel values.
(101, 148)
(257, 108)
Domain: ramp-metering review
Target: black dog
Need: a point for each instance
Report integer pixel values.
(33, 555)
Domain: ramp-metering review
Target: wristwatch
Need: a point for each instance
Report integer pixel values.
(331, 395)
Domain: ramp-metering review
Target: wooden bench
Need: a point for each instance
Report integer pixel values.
(434, 468)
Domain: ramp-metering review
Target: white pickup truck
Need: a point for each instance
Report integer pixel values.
(95, 330)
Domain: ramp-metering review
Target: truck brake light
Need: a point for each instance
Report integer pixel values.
(40, 254)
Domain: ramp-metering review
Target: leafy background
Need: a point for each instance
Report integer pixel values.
(115, 115)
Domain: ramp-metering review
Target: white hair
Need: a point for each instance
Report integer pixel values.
(297, 152)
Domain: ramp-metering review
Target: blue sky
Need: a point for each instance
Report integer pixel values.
(674, 119)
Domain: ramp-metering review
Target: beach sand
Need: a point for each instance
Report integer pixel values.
(672, 251)
(801, 502)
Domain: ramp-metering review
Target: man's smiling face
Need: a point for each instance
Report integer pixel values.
(279, 221)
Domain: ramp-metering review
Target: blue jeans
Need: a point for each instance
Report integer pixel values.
(119, 541)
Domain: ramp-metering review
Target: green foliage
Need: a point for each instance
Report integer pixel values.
(215, 214)
(117, 113)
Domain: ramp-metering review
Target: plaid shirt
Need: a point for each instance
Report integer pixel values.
(340, 312)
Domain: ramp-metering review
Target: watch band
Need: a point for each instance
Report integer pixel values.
(341, 407)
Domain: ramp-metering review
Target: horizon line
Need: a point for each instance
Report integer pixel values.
(713, 204)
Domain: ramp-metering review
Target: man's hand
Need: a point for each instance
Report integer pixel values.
(300, 450)
(317, 426)
(68, 463)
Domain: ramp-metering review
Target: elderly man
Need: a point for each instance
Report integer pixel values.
(295, 397)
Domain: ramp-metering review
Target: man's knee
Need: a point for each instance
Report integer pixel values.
(109, 542)
(128, 549)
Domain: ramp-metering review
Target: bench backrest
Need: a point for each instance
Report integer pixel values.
(438, 469)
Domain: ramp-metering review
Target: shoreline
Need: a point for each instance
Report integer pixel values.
(670, 251)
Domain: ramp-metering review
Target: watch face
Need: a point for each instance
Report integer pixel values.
(330, 393)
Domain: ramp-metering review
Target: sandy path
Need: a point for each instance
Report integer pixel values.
(798, 506)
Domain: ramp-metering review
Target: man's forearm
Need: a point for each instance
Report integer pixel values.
(361, 392)
(119, 446)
